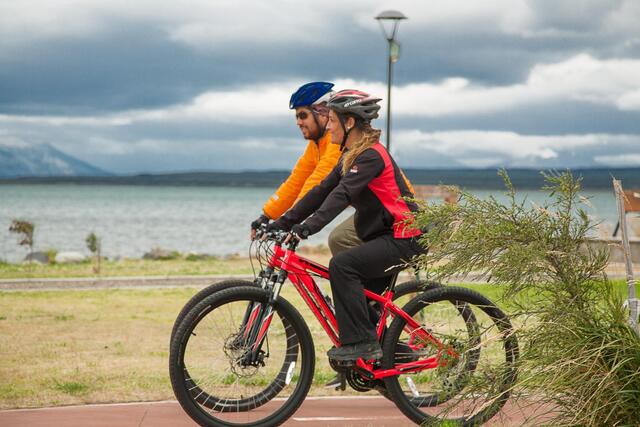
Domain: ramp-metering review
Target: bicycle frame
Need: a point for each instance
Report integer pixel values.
(298, 270)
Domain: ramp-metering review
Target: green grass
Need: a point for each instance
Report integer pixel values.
(70, 387)
(128, 267)
(189, 265)
(73, 347)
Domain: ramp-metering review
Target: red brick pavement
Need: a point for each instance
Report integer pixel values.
(349, 411)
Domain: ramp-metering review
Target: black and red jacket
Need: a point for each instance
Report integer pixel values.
(374, 186)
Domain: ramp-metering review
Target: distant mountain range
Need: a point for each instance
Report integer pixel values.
(42, 164)
(41, 160)
(466, 178)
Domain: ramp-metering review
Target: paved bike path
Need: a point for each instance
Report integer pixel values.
(614, 271)
(358, 411)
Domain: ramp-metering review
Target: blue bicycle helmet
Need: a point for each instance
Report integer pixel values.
(309, 93)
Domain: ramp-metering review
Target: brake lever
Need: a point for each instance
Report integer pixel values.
(260, 232)
(293, 240)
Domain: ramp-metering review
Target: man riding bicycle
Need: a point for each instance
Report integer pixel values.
(318, 159)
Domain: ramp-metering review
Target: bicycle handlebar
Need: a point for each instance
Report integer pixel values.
(279, 236)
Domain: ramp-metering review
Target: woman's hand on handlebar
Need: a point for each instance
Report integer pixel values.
(298, 231)
(301, 230)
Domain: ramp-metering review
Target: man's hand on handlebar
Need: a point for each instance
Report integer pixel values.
(279, 225)
(256, 224)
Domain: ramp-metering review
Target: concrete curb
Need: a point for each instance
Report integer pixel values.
(615, 271)
(116, 282)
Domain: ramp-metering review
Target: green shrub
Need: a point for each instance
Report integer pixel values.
(51, 254)
(25, 230)
(578, 352)
(160, 254)
(195, 257)
(94, 244)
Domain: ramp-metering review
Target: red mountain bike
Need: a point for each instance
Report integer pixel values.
(244, 356)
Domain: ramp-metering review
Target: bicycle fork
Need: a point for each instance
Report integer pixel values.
(258, 318)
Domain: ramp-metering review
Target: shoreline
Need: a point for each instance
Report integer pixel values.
(469, 178)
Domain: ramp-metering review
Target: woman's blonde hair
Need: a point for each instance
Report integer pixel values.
(370, 136)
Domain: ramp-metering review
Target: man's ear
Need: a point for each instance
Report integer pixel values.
(323, 119)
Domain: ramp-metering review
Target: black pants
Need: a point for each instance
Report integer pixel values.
(365, 266)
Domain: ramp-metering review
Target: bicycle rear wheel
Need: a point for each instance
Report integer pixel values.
(213, 381)
(473, 385)
(404, 293)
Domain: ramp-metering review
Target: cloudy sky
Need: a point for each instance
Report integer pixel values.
(148, 86)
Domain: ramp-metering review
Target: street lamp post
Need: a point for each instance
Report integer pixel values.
(390, 19)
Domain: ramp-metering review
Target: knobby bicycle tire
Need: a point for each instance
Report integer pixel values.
(197, 393)
(205, 292)
(183, 384)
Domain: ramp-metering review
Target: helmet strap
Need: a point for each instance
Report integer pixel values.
(320, 132)
(345, 132)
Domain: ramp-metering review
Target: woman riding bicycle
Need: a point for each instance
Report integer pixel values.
(367, 178)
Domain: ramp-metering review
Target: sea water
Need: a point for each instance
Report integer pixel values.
(131, 220)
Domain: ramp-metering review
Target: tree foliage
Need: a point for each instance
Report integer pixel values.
(94, 244)
(25, 229)
(579, 353)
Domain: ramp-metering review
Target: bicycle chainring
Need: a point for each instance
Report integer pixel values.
(360, 383)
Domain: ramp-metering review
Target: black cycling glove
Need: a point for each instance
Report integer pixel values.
(301, 230)
(280, 224)
(262, 219)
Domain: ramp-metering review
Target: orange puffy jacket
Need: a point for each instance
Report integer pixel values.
(312, 167)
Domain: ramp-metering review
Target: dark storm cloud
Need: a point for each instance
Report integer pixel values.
(279, 127)
(557, 119)
(130, 69)
(136, 65)
(487, 58)
(152, 61)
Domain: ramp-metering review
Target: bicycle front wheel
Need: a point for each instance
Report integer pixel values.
(211, 376)
(473, 385)
(203, 293)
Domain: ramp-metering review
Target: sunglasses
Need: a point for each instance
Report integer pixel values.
(302, 115)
